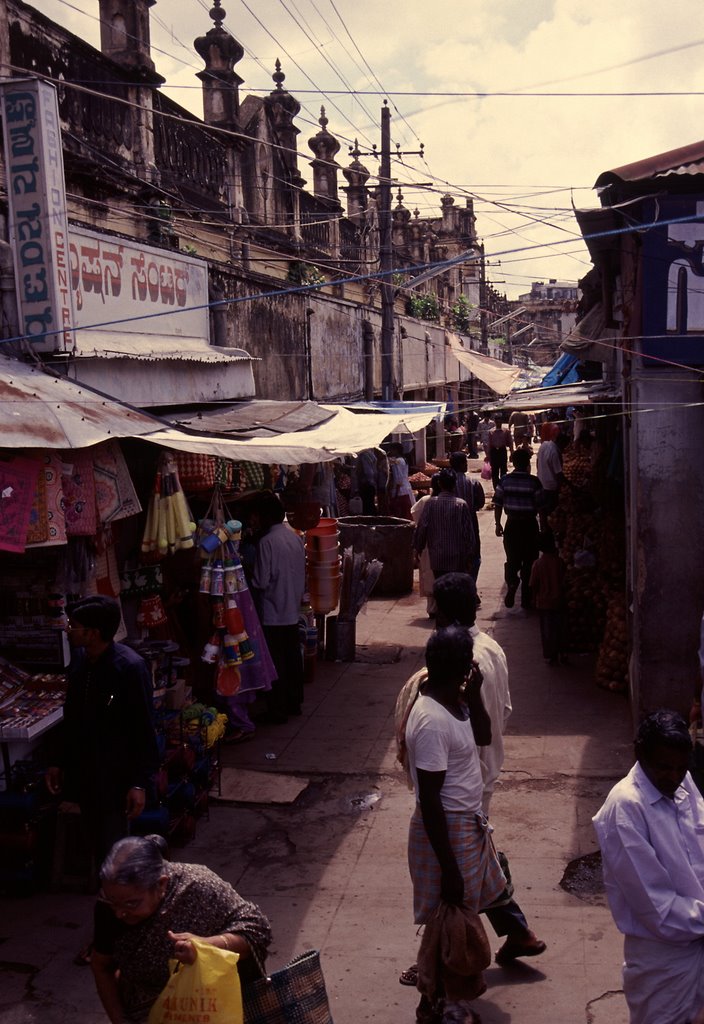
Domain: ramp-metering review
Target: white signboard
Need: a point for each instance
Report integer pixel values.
(122, 286)
(37, 211)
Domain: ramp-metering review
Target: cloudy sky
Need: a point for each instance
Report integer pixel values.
(572, 70)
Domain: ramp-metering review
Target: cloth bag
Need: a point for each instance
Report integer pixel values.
(486, 470)
(295, 994)
(208, 990)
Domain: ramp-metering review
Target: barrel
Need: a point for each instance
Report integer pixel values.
(388, 539)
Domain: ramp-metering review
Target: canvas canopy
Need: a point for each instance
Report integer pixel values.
(500, 377)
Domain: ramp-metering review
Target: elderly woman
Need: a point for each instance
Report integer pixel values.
(149, 910)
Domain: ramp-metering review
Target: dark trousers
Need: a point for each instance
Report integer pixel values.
(521, 547)
(367, 493)
(551, 632)
(286, 694)
(507, 920)
(498, 460)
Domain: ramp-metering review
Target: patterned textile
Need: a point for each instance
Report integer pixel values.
(470, 838)
(18, 482)
(197, 901)
(196, 472)
(115, 495)
(107, 576)
(55, 519)
(295, 994)
(38, 523)
(78, 484)
(254, 475)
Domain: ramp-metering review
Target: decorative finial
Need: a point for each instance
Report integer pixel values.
(322, 120)
(278, 76)
(218, 13)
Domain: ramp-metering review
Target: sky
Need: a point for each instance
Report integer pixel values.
(526, 159)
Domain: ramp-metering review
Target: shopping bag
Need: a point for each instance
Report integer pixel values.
(208, 990)
(486, 470)
(295, 994)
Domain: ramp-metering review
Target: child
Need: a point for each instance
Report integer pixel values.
(547, 585)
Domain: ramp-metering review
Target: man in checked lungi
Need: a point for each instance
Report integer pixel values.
(450, 853)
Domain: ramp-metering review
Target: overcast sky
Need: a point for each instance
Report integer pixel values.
(524, 159)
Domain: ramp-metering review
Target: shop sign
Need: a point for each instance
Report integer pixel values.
(673, 281)
(38, 227)
(122, 286)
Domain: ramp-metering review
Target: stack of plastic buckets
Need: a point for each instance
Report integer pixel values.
(323, 565)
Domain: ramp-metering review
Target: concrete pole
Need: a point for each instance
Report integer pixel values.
(385, 259)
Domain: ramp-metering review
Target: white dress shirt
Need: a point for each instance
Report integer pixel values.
(653, 858)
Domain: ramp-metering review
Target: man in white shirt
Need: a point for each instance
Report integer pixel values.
(278, 582)
(651, 834)
(455, 595)
(450, 855)
(549, 470)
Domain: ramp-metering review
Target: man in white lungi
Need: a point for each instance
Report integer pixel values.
(651, 833)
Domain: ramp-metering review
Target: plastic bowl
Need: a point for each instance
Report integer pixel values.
(324, 527)
(322, 541)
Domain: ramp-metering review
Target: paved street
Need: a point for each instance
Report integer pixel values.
(330, 868)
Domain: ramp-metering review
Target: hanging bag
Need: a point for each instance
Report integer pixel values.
(295, 994)
(211, 985)
(486, 470)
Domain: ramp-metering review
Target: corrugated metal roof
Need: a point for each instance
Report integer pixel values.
(582, 393)
(687, 160)
(99, 344)
(259, 418)
(40, 410)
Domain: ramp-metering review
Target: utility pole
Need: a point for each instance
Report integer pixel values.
(388, 289)
(386, 259)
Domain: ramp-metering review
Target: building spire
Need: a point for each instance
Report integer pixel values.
(220, 52)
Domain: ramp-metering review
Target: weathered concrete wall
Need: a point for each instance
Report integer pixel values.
(666, 514)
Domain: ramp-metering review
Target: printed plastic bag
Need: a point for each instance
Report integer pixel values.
(208, 990)
(486, 470)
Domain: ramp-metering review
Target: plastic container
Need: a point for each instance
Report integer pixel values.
(322, 572)
(324, 527)
(391, 541)
(322, 541)
(330, 556)
(324, 594)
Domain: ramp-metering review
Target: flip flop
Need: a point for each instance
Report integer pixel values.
(409, 977)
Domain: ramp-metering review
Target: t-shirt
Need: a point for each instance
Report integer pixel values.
(437, 741)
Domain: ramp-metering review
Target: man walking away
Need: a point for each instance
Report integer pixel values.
(519, 495)
(445, 527)
(473, 493)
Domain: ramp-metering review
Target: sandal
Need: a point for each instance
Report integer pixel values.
(409, 977)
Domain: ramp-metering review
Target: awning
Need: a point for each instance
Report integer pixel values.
(564, 371)
(500, 377)
(257, 418)
(101, 344)
(591, 339)
(343, 434)
(583, 393)
(40, 410)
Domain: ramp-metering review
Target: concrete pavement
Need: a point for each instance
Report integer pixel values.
(330, 869)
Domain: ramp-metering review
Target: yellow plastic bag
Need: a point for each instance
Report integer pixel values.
(206, 992)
